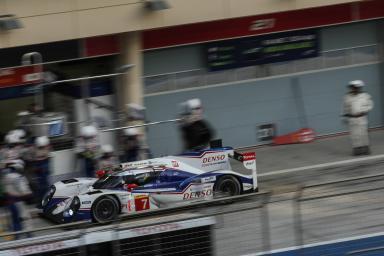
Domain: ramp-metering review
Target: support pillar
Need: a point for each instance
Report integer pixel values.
(130, 87)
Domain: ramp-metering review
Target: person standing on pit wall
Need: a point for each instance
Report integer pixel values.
(108, 161)
(356, 106)
(87, 149)
(195, 130)
(39, 157)
(17, 191)
(131, 145)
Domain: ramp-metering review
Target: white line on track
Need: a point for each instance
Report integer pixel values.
(325, 165)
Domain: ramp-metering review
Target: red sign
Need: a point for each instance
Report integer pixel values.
(263, 24)
(10, 77)
(142, 203)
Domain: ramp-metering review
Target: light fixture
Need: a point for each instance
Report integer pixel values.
(156, 5)
(9, 22)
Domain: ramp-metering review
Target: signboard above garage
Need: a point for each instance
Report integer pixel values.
(259, 50)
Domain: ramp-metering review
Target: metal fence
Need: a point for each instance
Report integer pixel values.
(328, 218)
(181, 230)
(340, 209)
(201, 77)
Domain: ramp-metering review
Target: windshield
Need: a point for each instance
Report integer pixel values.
(113, 181)
(108, 181)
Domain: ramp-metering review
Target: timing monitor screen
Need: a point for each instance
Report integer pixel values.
(56, 128)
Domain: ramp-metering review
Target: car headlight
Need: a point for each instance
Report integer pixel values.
(48, 196)
(62, 206)
(72, 207)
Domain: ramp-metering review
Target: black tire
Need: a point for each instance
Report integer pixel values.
(227, 185)
(105, 209)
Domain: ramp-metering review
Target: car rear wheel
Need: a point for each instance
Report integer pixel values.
(227, 185)
(105, 209)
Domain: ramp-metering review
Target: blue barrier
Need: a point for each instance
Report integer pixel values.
(366, 245)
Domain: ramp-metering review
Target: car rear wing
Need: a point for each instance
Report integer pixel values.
(249, 162)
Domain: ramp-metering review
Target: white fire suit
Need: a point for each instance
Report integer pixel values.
(17, 188)
(356, 108)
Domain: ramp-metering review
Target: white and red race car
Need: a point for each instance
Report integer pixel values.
(150, 184)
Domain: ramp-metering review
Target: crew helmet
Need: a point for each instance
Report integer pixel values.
(356, 83)
(19, 132)
(194, 103)
(106, 149)
(42, 141)
(12, 138)
(131, 132)
(88, 131)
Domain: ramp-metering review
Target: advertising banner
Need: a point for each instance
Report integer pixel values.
(262, 49)
(10, 77)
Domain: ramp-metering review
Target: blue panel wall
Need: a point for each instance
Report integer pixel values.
(235, 111)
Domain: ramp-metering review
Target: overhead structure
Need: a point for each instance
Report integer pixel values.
(9, 22)
(157, 5)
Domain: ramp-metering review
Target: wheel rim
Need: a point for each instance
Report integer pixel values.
(105, 210)
(229, 187)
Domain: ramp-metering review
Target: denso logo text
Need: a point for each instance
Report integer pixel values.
(213, 159)
(197, 194)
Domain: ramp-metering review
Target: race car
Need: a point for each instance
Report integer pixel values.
(150, 184)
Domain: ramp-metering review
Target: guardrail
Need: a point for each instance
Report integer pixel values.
(347, 193)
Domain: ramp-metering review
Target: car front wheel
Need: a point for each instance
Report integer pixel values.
(105, 209)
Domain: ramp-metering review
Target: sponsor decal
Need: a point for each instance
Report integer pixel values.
(198, 194)
(156, 229)
(262, 24)
(208, 179)
(40, 248)
(142, 203)
(210, 159)
(213, 160)
(86, 202)
(248, 156)
(175, 163)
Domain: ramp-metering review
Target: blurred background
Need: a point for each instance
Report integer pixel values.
(261, 69)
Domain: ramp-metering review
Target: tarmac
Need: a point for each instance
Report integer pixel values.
(324, 152)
